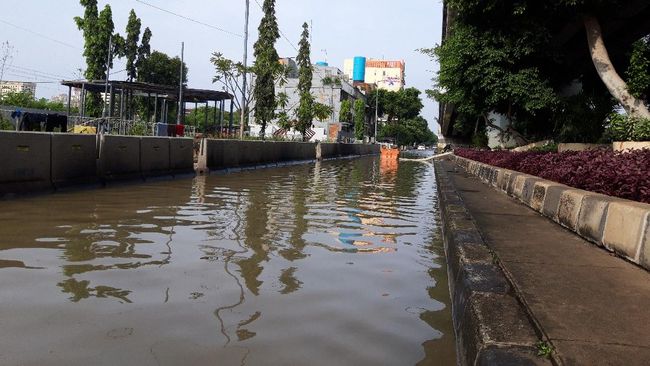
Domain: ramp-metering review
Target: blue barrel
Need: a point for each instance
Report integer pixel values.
(359, 71)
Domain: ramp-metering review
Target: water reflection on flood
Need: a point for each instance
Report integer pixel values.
(338, 262)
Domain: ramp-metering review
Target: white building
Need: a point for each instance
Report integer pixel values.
(329, 87)
(386, 74)
(7, 87)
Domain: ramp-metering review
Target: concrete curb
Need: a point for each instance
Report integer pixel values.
(491, 326)
(619, 225)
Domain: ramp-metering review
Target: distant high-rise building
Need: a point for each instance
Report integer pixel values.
(75, 100)
(386, 74)
(7, 87)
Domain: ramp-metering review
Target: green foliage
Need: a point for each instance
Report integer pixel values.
(97, 28)
(144, 50)
(400, 105)
(159, 68)
(305, 112)
(544, 349)
(229, 73)
(25, 100)
(345, 114)
(266, 65)
(552, 147)
(5, 124)
(322, 111)
(409, 132)
(580, 118)
(480, 140)
(638, 72)
(504, 56)
(131, 45)
(359, 118)
(196, 117)
(624, 128)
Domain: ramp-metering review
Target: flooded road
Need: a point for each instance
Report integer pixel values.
(332, 263)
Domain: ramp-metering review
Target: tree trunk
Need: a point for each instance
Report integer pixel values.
(615, 84)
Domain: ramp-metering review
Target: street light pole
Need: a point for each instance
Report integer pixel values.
(108, 72)
(179, 118)
(242, 105)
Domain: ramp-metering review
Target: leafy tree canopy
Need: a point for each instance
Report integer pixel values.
(159, 68)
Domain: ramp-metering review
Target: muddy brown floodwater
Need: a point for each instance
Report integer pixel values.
(333, 263)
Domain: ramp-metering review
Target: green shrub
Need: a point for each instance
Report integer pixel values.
(625, 128)
(552, 147)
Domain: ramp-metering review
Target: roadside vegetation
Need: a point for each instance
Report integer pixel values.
(619, 174)
(510, 58)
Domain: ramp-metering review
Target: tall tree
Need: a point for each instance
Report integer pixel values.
(266, 66)
(359, 118)
(97, 28)
(131, 45)
(161, 69)
(305, 112)
(229, 73)
(144, 50)
(345, 113)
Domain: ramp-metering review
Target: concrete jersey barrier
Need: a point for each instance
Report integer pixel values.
(619, 225)
(119, 157)
(155, 156)
(74, 159)
(26, 163)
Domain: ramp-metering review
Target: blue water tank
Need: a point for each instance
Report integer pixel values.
(359, 71)
(322, 63)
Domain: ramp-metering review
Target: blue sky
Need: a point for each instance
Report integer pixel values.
(344, 28)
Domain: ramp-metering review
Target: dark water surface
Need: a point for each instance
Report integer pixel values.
(333, 263)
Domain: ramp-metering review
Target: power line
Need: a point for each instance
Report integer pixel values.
(280, 30)
(27, 69)
(190, 19)
(40, 35)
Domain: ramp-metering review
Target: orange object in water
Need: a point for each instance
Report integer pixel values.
(391, 153)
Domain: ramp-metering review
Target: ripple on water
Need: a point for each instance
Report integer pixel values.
(337, 262)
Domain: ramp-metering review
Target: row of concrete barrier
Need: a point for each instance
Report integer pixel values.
(619, 225)
(41, 161)
(227, 154)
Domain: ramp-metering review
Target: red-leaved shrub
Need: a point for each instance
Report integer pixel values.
(625, 175)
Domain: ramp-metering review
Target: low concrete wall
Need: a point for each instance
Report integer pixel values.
(154, 156)
(74, 159)
(119, 157)
(181, 155)
(491, 326)
(619, 225)
(26, 162)
(630, 145)
(580, 147)
(532, 145)
(225, 154)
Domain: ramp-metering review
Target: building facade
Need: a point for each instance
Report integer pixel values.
(330, 87)
(386, 74)
(7, 87)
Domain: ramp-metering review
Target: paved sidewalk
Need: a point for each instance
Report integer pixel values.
(593, 306)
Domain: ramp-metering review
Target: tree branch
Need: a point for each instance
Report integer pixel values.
(615, 84)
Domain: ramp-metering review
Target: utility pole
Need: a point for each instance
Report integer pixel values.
(108, 72)
(180, 87)
(243, 105)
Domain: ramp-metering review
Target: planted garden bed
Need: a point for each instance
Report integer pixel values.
(625, 175)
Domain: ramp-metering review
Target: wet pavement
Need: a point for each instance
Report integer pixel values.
(333, 263)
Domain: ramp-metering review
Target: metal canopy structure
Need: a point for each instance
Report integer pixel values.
(163, 96)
